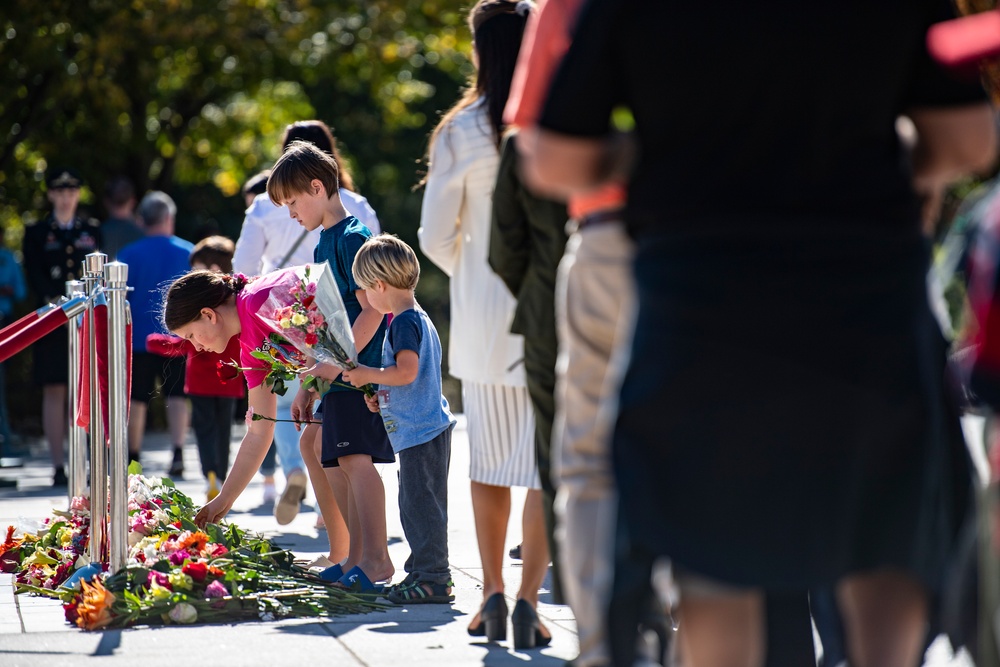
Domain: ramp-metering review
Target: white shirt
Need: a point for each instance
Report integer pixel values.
(454, 233)
(269, 232)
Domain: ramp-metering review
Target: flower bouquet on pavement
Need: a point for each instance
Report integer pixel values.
(175, 573)
(308, 311)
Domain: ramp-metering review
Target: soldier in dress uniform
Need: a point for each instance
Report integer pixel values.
(54, 251)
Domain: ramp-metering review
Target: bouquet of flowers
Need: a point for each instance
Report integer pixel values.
(283, 363)
(309, 313)
(175, 572)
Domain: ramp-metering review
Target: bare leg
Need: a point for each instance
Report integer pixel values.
(724, 630)
(368, 494)
(349, 510)
(336, 528)
(534, 549)
(136, 426)
(178, 419)
(491, 508)
(54, 421)
(885, 619)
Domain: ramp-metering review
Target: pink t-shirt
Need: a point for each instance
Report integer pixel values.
(254, 331)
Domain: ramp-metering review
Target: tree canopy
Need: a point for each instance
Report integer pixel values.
(191, 97)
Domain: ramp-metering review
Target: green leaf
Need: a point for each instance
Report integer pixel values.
(134, 468)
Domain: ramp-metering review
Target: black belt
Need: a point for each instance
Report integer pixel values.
(602, 216)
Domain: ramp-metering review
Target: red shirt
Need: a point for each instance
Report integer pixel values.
(201, 372)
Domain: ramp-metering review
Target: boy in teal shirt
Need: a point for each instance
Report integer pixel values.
(305, 179)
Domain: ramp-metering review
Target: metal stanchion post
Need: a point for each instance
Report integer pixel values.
(115, 275)
(94, 277)
(77, 436)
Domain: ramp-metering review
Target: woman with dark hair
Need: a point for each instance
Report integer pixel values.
(455, 235)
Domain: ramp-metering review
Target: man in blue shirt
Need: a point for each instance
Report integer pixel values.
(12, 290)
(153, 262)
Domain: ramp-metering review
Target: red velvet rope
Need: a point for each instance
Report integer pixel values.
(31, 332)
(14, 327)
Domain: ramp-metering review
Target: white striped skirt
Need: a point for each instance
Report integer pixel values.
(501, 425)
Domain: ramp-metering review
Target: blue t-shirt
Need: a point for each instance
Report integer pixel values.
(337, 247)
(153, 263)
(415, 413)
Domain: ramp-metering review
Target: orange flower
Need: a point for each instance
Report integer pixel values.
(95, 605)
(10, 542)
(196, 541)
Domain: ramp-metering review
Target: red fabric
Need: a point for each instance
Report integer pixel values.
(201, 376)
(963, 42)
(83, 394)
(546, 40)
(41, 327)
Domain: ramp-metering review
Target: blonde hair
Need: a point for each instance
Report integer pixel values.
(387, 258)
(295, 170)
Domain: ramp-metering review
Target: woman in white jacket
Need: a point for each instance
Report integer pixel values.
(454, 234)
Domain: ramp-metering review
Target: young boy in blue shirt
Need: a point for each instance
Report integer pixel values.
(415, 413)
(306, 180)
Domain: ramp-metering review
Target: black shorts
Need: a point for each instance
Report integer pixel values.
(146, 367)
(349, 427)
(50, 358)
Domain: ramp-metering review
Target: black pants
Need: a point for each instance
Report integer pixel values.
(212, 420)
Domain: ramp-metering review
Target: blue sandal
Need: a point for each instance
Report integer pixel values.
(356, 581)
(332, 573)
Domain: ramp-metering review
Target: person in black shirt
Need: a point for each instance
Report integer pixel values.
(784, 422)
(54, 250)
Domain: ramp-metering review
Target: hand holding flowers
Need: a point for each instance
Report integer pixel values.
(359, 376)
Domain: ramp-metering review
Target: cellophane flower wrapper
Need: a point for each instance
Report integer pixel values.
(308, 311)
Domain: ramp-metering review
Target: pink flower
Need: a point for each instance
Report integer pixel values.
(160, 578)
(216, 589)
(249, 417)
(311, 288)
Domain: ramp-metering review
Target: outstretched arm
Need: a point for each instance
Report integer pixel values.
(248, 459)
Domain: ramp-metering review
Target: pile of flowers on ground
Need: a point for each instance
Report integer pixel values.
(176, 573)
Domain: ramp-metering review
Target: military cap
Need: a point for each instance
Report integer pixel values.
(63, 177)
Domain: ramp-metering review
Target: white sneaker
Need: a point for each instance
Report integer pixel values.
(287, 507)
(270, 493)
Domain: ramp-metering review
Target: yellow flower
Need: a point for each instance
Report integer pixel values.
(285, 323)
(159, 592)
(95, 605)
(298, 319)
(180, 580)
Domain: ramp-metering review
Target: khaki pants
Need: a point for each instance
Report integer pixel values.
(595, 310)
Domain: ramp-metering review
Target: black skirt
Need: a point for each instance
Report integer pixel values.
(784, 419)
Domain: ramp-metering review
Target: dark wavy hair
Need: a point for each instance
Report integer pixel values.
(318, 133)
(187, 295)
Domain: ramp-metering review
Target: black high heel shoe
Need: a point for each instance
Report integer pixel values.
(527, 628)
(492, 619)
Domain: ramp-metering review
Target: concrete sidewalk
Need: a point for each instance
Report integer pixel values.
(34, 632)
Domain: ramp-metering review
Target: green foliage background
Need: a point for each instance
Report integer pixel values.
(191, 97)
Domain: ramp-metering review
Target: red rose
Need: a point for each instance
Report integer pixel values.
(197, 571)
(308, 301)
(227, 370)
(311, 339)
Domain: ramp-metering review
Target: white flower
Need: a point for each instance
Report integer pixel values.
(183, 613)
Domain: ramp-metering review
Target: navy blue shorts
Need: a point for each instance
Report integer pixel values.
(349, 427)
(148, 367)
